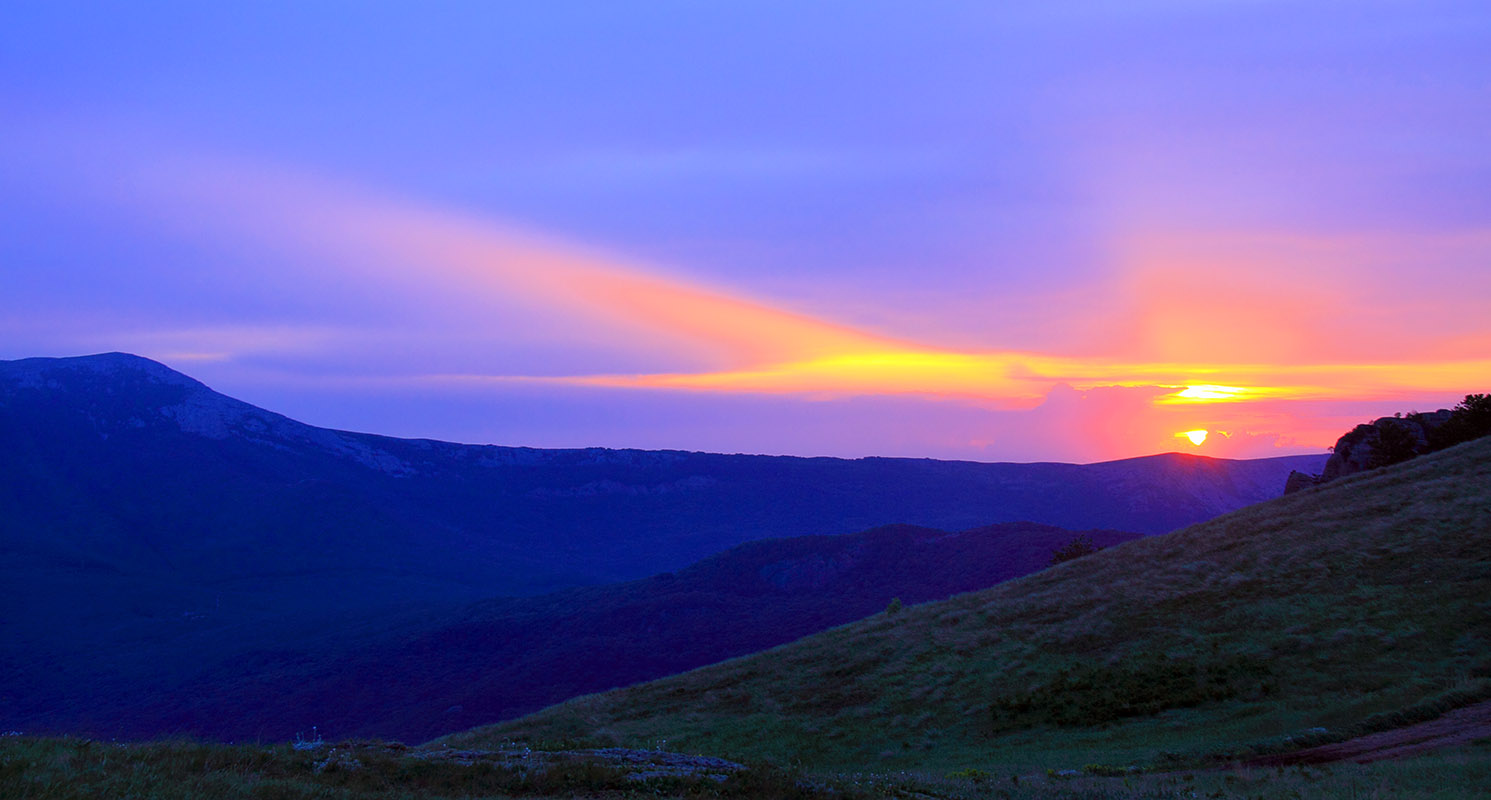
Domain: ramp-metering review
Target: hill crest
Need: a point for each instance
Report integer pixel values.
(1360, 600)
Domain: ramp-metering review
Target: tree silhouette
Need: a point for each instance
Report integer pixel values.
(1470, 419)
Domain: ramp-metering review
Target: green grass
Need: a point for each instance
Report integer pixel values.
(63, 769)
(54, 769)
(1365, 599)
(1464, 773)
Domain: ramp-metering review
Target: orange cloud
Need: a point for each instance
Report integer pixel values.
(1236, 316)
(396, 241)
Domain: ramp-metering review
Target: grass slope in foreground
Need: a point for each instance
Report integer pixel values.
(1364, 602)
(68, 769)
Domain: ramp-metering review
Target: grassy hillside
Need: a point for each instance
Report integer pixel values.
(1301, 617)
(75, 769)
(502, 658)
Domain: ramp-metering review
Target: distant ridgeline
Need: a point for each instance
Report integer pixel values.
(1398, 438)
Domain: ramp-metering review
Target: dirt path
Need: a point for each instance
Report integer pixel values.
(1458, 727)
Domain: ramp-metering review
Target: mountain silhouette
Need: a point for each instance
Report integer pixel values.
(152, 529)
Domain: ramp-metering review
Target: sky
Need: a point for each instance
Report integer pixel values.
(1065, 231)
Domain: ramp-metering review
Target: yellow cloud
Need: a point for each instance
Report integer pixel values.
(1024, 377)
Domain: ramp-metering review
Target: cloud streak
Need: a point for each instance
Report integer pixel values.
(751, 346)
(764, 348)
(1026, 377)
(397, 242)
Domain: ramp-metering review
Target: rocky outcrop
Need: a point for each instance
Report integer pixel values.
(1300, 480)
(1388, 440)
(1383, 441)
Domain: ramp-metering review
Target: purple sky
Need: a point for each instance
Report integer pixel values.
(919, 229)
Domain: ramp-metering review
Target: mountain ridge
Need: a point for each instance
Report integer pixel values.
(1131, 487)
(137, 505)
(207, 412)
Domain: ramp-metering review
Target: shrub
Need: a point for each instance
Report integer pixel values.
(1078, 547)
(1106, 770)
(1097, 695)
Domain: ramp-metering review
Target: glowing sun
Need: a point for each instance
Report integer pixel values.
(1196, 437)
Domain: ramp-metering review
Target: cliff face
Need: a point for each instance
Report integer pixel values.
(1383, 441)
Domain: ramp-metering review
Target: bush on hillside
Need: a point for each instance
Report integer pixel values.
(1081, 546)
(1088, 695)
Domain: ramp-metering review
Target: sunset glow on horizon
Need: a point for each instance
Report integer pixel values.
(1206, 392)
(872, 263)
